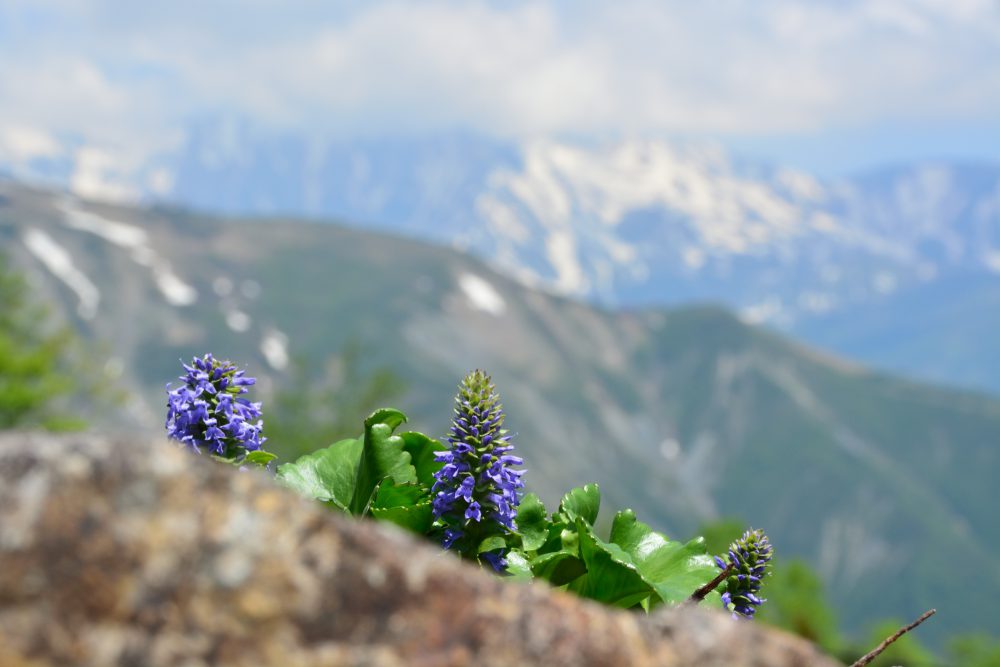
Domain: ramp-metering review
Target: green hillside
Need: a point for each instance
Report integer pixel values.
(687, 415)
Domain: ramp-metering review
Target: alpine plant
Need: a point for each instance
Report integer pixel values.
(750, 558)
(476, 491)
(208, 413)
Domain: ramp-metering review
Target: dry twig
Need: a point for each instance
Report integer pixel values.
(874, 653)
(700, 594)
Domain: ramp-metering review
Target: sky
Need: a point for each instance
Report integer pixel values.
(832, 86)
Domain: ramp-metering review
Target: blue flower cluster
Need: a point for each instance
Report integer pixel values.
(208, 413)
(476, 491)
(749, 557)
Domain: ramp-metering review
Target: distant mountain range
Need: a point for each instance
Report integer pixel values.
(645, 223)
(886, 486)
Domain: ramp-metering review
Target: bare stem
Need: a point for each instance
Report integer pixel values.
(700, 594)
(868, 657)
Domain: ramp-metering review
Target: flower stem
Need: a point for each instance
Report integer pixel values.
(700, 594)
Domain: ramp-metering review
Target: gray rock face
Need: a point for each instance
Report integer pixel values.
(117, 551)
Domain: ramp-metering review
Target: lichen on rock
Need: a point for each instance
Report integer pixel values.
(117, 550)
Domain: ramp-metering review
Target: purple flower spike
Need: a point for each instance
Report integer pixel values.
(476, 494)
(750, 558)
(207, 414)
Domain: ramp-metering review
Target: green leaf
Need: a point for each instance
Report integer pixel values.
(673, 569)
(405, 505)
(390, 494)
(417, 518)
(558, 568)
(517, 566)
(554, 538)
(532, 523)
(582, 502)
(391, 417)
(228, 460)
(382, 457)
(421, 449)
(327, 474)
(260, 457)
(491, 544)
(611, 576)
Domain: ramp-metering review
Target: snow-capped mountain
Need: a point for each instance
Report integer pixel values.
(637, 222)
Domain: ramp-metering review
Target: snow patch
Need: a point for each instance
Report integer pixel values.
(174, 290)
(118, 233)
(769, 310)
(481, 294)
(560, 249)
(274, 347)
(502, 219)
(801, 185)
(574, 200)
(95, 176)
(58, 261)
(222, 286)
(670, 449)
(539, 188)
(237, 320)
(144, 256)
(136, 240)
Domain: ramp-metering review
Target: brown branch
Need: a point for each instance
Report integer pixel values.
(700, 594)
(868, 657)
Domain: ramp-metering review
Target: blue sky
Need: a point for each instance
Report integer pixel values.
(831, 86)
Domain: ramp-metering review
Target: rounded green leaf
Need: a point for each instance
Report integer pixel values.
(422, 449)
(382, 456)
(491, 544)
(532, 522)
(327, 474)
(673, 569)
(517, 566)
(391, 417)
(582, 502)
(390, 494)
(558, 568)
(611, 576)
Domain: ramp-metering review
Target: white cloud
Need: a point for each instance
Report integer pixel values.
(24, 142)
(127, 76)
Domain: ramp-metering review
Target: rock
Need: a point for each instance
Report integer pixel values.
(124, 551)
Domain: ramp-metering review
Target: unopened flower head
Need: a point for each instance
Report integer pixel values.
(750, 558)
(208, 412)
(476, 492)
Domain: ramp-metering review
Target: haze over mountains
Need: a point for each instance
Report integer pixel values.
(898, 268)
(685, 415)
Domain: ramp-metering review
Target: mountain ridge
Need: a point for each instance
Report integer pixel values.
(685, 415)
(640, 222)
